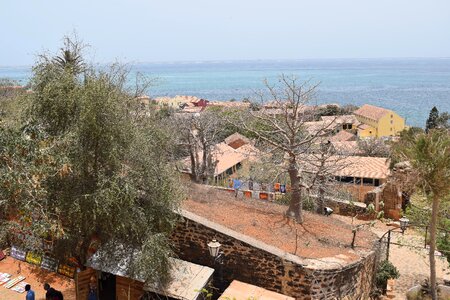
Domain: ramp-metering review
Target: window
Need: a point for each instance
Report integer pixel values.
(391, 128)
(367, 181)
(392, 116)
(392, 121)
(347, 179)
(377, 182)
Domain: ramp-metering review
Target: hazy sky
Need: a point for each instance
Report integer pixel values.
(193, 30)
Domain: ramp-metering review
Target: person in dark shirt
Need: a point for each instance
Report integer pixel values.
(52, 294)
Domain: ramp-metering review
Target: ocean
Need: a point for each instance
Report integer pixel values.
(411, 87)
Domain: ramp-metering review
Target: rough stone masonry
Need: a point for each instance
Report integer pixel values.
(254, 262)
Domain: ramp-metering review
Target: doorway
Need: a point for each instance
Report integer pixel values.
(107, 286)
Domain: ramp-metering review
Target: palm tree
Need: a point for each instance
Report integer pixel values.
(71, 59)
(429, 155)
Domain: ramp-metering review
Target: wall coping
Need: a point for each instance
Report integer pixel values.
(328, 263)
(347, 202)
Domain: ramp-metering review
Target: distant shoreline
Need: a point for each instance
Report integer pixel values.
(263, 60)
(409, 86)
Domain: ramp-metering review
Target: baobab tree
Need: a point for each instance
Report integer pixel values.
(196, 136)
(286, 129)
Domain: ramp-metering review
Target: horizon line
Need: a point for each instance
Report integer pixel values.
(193, 61)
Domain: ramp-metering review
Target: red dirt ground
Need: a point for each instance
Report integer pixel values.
(318, 236)
(36, 277)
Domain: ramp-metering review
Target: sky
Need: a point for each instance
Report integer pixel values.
(203, 30)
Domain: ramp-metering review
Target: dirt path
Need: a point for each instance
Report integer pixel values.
(411, 259)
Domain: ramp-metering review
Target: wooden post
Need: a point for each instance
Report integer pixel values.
(388, 245)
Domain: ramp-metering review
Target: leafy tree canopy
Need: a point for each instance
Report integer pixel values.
(85, 165)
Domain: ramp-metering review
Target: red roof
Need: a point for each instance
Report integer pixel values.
(372, 112)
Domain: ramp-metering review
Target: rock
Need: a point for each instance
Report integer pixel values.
(415, 293)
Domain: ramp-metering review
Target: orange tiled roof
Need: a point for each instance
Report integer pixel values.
(242, 291)
(351, 166)
(364, 127)
(372, 112)
(347, 147)
(226, 156)
(341, 119)
(316, 126)
(342, 136)
(367, 167)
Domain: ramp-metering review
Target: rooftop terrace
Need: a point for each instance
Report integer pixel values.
(319, 237)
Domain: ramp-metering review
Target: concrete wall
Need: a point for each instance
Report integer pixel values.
(252, 261)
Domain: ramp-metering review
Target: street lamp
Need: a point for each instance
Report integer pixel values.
(214, 247)
(404, 222)
(217, 256)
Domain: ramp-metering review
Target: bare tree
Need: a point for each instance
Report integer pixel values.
(285, 130)
(373, 147)
(320, 167)
(197, 136)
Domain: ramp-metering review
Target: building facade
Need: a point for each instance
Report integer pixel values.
(378, 122)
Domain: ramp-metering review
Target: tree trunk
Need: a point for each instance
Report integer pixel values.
(433, 225)
(321, 196)
(204, 172)
(295, 206)
(194, 173)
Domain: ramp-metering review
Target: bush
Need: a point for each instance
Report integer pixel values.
(385, 271)
(443, 245)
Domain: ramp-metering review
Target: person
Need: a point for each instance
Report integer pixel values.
(92, 289)
(237, 185)
(92, 293)
(30, 292)
(52, 294)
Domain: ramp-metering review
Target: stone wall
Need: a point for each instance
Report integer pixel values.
(340, 207)
(252, 261)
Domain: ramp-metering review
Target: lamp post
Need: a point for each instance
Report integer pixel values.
(218, 257)
(214, 247)
(404, 223)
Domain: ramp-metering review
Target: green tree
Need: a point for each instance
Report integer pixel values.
(444, 120)
(432, 121)
(85, 166)
(70, 59)
(11, 96)
(429, 155)
(419, 212)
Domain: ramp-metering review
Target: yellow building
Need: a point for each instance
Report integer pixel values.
(378, 122)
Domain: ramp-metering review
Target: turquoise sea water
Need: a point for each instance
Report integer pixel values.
(411, 87)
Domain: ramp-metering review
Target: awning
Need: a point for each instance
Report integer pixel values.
(188, 279)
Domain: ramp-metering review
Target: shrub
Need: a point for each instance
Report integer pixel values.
(385, 271)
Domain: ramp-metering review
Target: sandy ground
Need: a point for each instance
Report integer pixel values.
(413, 264)
(318, 237)
(36, 277)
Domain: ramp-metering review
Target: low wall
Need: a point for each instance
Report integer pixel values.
(252, 261)
(341, 207)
